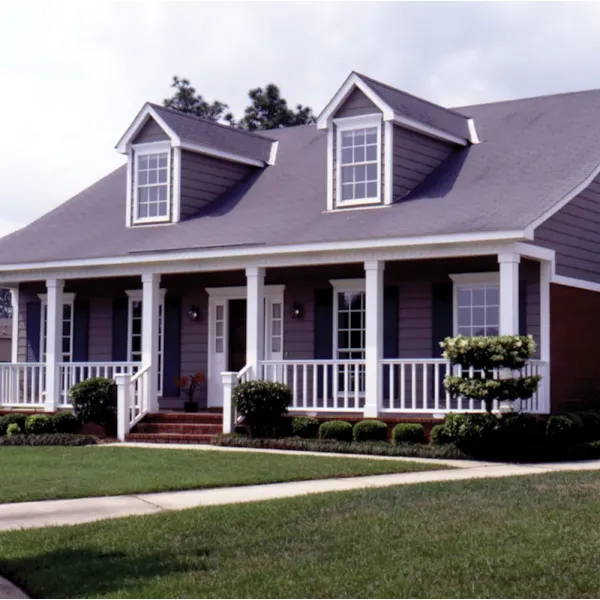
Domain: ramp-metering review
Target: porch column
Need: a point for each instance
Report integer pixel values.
(14, 347)
(509, 293)
(373, 336)
(150, 304)
(255, 316)
(54, 319)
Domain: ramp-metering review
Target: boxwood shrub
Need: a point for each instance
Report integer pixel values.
(95, 401)
(562, 429)
(438, 435)
(305, 427)
(336, 430)
(66, 422)
(412, 433)
(47, 439)
(13, 429)
(35, 424)
(8, 419)
(370, 430)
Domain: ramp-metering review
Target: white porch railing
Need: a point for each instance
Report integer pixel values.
(326, 385)
(22, 385)
(229, 380)
(132, 399)
(71, 373)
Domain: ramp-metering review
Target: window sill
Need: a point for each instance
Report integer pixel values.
(152, 221)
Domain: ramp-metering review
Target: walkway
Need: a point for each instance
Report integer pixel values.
(83, 510)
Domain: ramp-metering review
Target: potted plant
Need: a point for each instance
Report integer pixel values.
(188, 384)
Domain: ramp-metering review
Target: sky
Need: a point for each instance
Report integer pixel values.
(74, 75)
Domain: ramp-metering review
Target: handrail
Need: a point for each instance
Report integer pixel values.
(141, 372)
(243, 372)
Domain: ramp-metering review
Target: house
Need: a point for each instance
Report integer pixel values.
(333, 257)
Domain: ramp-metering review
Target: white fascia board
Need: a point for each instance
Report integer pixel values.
(427, 129)
(353, 81)
(201, 149)
(273, 153)
(140, 120)
(462, 240)
(563, 201)
(535, 252)
(576, 283)
(473, 137)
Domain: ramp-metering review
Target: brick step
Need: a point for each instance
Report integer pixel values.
(181, 417)
(170, 438)
(210, 428)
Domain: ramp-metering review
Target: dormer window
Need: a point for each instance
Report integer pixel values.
(152, 183)
(358, 161)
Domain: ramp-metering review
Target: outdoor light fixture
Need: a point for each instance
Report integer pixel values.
(193, 313)
(296, 311)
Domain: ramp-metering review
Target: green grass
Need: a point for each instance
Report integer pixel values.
(43, 473)
(522, 537)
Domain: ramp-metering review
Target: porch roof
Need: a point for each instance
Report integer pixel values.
(533, 153)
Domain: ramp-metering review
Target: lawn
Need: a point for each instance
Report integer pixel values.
(42, 473)
(521, 537)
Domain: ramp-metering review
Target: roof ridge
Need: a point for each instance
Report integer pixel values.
(211, 122)
(391, 87)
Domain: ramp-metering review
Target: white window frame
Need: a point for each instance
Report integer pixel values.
(471, 279)
(137, 296)
(350, 124)
(68, 299)
(145, 150)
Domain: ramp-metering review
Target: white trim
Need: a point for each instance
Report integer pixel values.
(348, 285)
(582, 284)
(273, 153)
(509, 292)
(239, 292)
(428, 130)
(373, 336)
(388, 159)
(466, 279)
(535, 252)
(202, 149)
(176, 187)
(128, 192)
(473, 137)
(14, 347)
(140, 120)
(145, 150)
(351, 124)
(352, 81)
(330, 167)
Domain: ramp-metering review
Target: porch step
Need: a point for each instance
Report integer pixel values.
(170, 438)
(176, 427)
(204, 418)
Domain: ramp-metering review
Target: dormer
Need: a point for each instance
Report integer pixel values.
(382, 143)
(179, 163)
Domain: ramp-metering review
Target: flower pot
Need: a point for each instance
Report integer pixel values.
(190, 407)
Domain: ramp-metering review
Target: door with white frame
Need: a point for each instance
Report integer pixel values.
(227, 332)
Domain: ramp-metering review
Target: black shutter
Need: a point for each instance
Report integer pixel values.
(442, 316)
(81, 324)
(33, 330)
(172, 347)
(323, 334)
(523, 308)
(119, 330)
(390, 322)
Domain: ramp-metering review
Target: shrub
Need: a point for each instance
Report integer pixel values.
(262, 404)
(66, 422)
(561, 429)
(6, 420)
(519, 429)
(369, 430)
(336, 430)
(438, 435)
(95, 401)
(469, 431)
(39, 424)
(13, 429)
(590, 421)
(48, 439)
(412, 433)
(305, 427)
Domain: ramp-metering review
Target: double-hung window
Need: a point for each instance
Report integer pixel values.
(358, 161)
(65, 331)
(476, 304)
(152, 183)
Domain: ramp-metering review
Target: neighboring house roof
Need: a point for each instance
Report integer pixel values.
(533, 153)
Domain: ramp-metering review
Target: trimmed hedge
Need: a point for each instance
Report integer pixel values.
(66, 422)
(305, 427)
(438, 435)
(411, 433)
(48, 439)
(6, 420)
(336, 430)
(37, 424)
(13, 429)
(369, 430)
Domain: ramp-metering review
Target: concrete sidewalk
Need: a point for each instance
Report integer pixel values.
(68, 512)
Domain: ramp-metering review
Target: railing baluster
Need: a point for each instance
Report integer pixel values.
(392, 385)
(315, 386)
(436, 383)
(326, 385)
(425, 386)
(304, 385)
(295, 386)
(414, 385)
(346, 384)
(402, 386)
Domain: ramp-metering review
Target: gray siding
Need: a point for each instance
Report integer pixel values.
(205, 178)
(150, 132)
(415, 305)
(529, 276)
(415, 157)
(100, 332)
(574, 233)
(356, 104)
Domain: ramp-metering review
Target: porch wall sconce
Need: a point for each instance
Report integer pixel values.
(296, 312)
(193, 313)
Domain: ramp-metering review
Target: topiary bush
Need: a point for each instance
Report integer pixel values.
(66, 422)
(13, 429)
(369, 430)
(262, 404)
(95, 401)
(305, 427)
(36, 424)
(6, 420)
(412, 433)
(561, 429)
(336, 430)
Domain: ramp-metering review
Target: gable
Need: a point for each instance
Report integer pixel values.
(356, 104)
(150, 132)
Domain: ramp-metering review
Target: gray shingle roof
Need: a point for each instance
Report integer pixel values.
(533, 153)
(208, 133)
